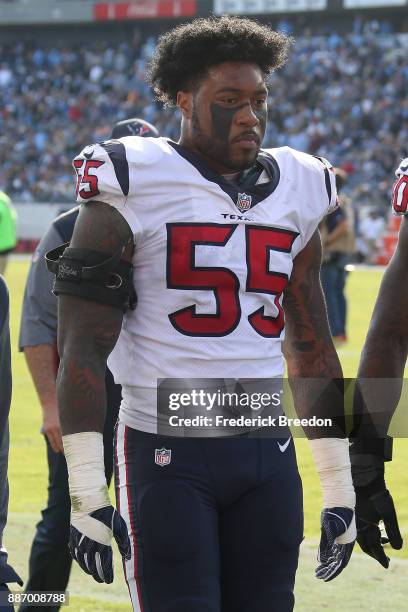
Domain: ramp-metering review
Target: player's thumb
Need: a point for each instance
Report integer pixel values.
(394, 535)
(384, 504)
(120, 533)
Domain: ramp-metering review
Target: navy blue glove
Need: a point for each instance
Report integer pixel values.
(95, 558)
(333, 557)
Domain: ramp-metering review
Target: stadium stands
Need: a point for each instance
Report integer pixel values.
(342, 96)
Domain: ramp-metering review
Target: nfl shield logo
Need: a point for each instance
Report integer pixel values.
(244, 202)
(162, 456)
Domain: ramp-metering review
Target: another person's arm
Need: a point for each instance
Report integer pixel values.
(379, 386)
(38, 336)
(42, 361)
(386, 347)
(314, 371)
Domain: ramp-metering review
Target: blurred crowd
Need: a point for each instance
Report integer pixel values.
(342, 96)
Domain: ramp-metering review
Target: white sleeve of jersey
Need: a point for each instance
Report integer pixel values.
(311, 183)
(102, 174)
(400, 189)
(330, 184)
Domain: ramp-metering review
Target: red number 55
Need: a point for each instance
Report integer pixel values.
(182, 273)
(85, 178)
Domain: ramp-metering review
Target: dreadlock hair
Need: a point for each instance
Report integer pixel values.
(183, 55)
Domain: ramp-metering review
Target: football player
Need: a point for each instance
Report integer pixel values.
(380, 378)
(220, 240)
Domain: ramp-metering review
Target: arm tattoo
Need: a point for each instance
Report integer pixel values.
(309, 349)
(313, 365)
(88, 331)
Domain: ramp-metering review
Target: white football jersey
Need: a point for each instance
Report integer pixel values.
(211, 260)
(400, 189)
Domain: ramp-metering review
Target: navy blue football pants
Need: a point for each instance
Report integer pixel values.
(217, 529)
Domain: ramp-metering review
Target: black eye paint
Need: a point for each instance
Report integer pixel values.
(222, 119)
(262, 115)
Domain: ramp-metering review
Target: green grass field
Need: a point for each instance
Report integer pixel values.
(363, 585)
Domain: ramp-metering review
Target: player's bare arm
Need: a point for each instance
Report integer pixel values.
(42, 361)
(308, 347)
(313, 365)
(386, 347)
(378, 390)
(87, 333)
(314, 371)
(88, 330)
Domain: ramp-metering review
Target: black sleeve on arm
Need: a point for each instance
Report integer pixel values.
(93, 275)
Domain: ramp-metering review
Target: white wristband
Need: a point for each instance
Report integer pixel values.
(86, 471)
(331, 456)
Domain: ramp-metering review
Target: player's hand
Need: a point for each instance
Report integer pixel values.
(338, 534)
(90, 541)
(371, 508)
(52, 429)
(374, 502)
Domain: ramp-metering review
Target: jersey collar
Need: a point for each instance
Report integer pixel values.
(244, 192)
